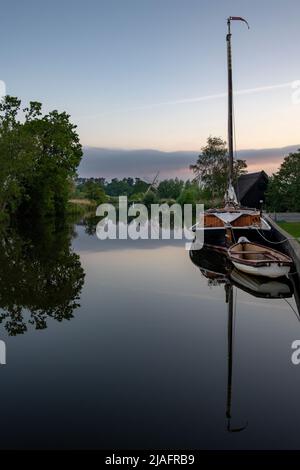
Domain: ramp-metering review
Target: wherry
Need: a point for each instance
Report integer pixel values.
(220, 227)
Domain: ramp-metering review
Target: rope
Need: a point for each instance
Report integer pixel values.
(296, 313)
(274, 243)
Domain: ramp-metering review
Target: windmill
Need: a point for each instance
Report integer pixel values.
(154, 184)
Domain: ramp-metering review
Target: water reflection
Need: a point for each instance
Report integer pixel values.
(218, 270)
(40, 277)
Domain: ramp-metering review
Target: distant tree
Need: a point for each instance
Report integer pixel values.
(150, 198)
(140, 186)
(284, 186)
(211, 168)
(94, 191)
(118, 187)
(170, 189)
(126, 187)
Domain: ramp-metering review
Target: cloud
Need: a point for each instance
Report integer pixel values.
(110, 163)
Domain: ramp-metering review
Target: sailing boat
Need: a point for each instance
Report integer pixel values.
(223, 226)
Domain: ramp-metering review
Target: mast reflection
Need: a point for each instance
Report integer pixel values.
(217, 269)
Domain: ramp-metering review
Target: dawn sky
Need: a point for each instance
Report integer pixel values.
(122, 68)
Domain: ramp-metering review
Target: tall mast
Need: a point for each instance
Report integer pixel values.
(230, 196)
(230, 100)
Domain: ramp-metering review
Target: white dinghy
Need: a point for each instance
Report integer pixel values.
(259, 260)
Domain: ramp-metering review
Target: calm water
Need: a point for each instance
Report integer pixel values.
(125, 345)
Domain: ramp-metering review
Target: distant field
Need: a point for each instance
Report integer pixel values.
(82, 202)
(291, 227)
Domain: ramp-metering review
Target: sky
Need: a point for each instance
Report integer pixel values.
(151, 74)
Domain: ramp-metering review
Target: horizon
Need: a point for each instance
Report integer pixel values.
(120, 162)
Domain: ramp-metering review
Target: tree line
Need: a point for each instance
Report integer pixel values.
(40, 154)
(208, 185)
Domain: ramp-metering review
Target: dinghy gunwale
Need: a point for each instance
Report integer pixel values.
(284, 260)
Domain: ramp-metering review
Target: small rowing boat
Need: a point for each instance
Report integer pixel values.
(252, 258)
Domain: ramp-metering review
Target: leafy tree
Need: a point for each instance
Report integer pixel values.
(170, 189)
(15, 157)
(140, 186)
(211, 168)
(150, 198)
(94, 192)
(39, 155)
(284, 186)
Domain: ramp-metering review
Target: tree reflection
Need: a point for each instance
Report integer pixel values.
(40, 277)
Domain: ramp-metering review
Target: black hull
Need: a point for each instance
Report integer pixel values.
(215, 238)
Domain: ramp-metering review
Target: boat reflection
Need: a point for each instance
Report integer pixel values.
(214, 265)
(218, 270)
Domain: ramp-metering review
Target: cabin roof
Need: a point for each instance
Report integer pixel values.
(245, 182)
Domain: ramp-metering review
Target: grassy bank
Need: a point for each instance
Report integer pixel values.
(291, 227)
(80, 206)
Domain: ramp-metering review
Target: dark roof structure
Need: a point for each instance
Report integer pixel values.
(250, 188)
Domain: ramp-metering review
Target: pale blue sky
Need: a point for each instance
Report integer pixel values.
(107, 62)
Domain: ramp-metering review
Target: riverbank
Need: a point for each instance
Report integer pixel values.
(293, 228)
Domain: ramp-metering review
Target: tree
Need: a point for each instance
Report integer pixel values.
(150, 198)
(284, 186)
(211, 168)
(15, 158)
(94, 192)
(125, 187)
(170, 189)
(140, 186)
(38, 158)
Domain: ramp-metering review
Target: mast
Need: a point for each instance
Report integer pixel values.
(230, 196)
(230, 103)
(229, 301)
(230, 332)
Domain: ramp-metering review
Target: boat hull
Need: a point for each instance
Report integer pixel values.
(259, 260)
(272, 271)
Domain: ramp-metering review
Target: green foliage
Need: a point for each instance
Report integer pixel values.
(170, 189)
(140, 186)
(95, 192)
(125, 187)
(150, 198)
(284, 186)
(39, 155)
(211, 168)
(188, 196)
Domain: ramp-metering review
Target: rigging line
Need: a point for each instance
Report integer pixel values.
(274, 243)
(296, 313)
